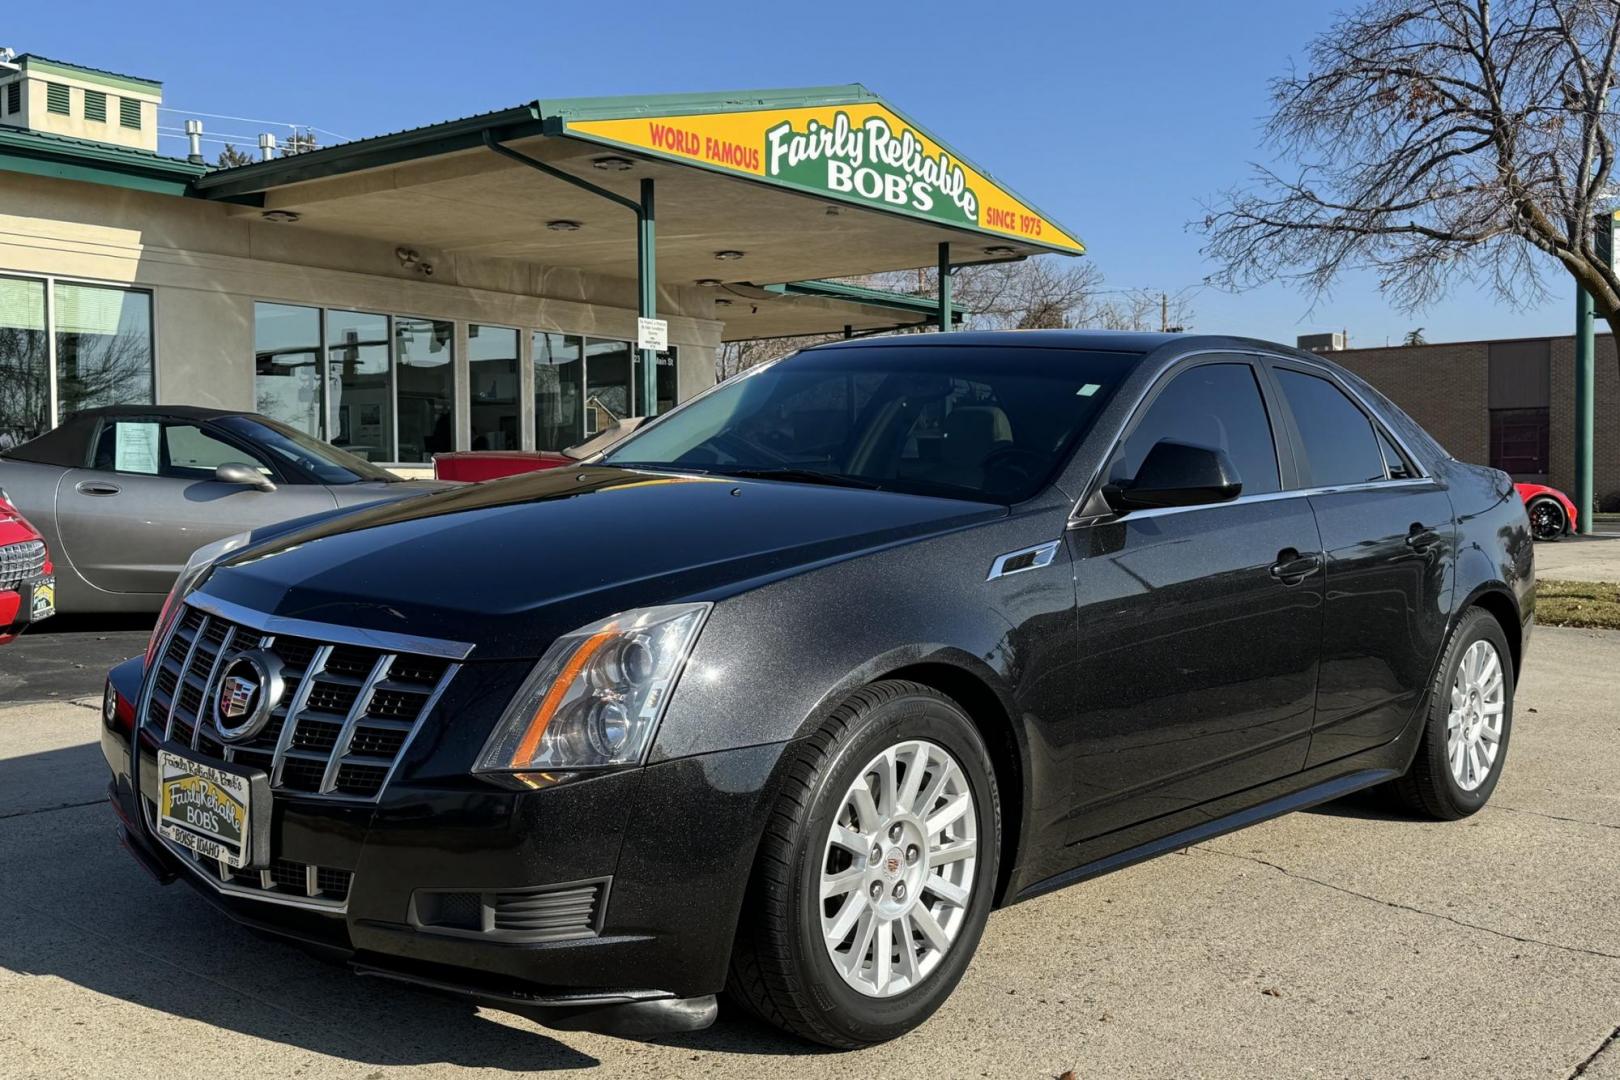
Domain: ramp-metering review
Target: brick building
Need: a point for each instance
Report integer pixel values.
(1507, 403)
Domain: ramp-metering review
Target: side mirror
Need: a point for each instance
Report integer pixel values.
(234, 472)
(1176, 474)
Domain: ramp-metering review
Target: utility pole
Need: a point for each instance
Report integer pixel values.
(1164, 313)
(1586, 379)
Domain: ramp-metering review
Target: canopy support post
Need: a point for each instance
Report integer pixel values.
(647, 279)
(646, 263)
(944, 287)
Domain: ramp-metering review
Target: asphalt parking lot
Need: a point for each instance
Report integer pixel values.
(1343, 942)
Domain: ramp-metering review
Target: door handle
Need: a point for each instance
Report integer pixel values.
(1291, 567)
(97, 487)
(1421, 539)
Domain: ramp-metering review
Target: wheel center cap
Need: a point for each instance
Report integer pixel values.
(894, 863)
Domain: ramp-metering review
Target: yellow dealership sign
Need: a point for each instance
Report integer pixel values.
(860, 152)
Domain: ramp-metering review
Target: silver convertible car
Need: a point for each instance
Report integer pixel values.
(123, 495)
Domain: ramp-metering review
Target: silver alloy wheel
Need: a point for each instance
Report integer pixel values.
(1478, 706)
(897, 870)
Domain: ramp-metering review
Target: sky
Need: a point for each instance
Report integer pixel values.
(1120, 121)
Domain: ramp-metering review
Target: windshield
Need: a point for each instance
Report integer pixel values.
(289, 446)
(968, 422)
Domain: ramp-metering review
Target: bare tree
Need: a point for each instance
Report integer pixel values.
(1438, 141)
(1041, 293)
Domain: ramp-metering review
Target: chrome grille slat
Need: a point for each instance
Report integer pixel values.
(185, 666)
(362, 701)
(208, 683)
(19, 561)
(353, 706)
(306, 683)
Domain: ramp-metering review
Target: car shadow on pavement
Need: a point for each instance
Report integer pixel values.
(76, 909)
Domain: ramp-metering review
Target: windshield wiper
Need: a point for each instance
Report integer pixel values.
(805, 476)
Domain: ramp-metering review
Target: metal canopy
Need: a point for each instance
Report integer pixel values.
(440, 187)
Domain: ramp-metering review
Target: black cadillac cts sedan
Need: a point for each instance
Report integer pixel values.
(786, 692)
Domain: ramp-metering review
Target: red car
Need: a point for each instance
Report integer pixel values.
(1552, 514)
(472, 466)
(27, 578)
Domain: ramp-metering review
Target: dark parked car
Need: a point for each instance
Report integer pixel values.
(788, 690)
(125, 494)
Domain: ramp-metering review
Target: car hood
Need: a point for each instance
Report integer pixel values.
(509, 565)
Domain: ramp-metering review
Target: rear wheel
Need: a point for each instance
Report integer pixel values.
(1547, 520)
(1470, 718)
(876, 873)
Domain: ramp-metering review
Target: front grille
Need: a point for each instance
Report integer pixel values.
(302, 883)
(345, 718)
(19, 562)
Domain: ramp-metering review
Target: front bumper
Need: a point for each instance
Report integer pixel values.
(667, 850)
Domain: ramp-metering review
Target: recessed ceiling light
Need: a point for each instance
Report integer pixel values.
(613, 163)
(832, 211)
(721, 301)
(728, 256)
(284, 217)
(708, 282)
(1000, 249)
(563, 225)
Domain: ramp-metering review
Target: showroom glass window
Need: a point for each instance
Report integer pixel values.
(287, 365)
(1339, 442)
(103, 346)
(1214, 405)
(559, 382)
(494, 375)
(608, 395)
(425, 375)
(668, 363)
(25, 362)
(360, 414)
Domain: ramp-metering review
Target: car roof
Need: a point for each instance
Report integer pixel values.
(1171, 344)
(68, 444)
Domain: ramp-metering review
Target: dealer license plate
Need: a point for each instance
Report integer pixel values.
(205, 809)
(39, 598)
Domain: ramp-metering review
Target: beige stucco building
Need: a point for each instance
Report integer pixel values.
(470, 284)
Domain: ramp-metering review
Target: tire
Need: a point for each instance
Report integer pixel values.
(782, 967)
(1432, 786)
(1547, 518)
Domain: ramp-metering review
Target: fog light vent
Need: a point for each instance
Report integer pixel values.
(550, 913)
(546, 913)
(450, 910)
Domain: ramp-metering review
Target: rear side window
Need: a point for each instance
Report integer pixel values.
(1394, 460)
(1214, 405)
(1338, 440)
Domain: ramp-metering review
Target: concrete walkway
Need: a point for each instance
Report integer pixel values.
(1345, 942)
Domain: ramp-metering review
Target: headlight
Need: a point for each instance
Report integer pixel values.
(196, 569)
(596, 696)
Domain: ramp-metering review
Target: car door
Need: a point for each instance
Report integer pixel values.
(1390, 540)
(131, 520)
(1198, 627)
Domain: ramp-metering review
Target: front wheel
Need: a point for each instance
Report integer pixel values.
(1547, 520)
(876, 873)
(1470, 718)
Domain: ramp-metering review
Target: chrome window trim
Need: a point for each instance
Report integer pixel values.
(1044, 554)
(1269, 496)
(381, 640)
(1076, 520)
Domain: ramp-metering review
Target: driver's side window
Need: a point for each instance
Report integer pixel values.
(1214, 405)
(166, 448)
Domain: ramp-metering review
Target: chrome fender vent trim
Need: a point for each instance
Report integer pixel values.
(1030, 558)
